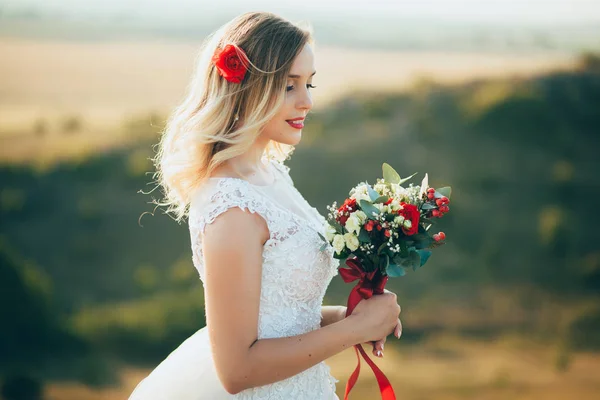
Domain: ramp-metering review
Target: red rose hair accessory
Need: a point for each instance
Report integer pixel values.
(231, 62)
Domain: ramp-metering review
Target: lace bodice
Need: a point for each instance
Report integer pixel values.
(295, 272)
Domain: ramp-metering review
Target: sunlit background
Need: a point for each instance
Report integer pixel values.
(499, 99)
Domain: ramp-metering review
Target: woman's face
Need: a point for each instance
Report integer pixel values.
(286, 126)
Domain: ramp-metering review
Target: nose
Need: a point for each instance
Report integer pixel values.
(305, 101)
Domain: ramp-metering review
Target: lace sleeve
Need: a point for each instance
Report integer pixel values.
(206, 207)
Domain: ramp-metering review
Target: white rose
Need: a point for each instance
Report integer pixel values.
(338, 243)
(362, 217)
(407, 224)
(329, 232)
(353, 223)
(360, 193)
(399, 220)
(351, 241)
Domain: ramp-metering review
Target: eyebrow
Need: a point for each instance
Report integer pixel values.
(299, 76)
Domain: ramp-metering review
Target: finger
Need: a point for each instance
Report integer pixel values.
(378, 347)
(398, 329)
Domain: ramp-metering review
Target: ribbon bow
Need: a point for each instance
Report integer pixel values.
(369, 283)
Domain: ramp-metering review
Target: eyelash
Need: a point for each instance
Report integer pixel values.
(292, 87)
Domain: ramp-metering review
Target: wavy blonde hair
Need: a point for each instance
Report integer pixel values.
(202, 133)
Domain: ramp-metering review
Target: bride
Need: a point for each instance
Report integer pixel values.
(254, 237)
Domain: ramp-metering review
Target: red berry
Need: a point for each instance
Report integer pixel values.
(442, 235)
(436, 237)
(431, 190)
(430, 196)
(435, 213)
(444, 209)
(445, 199)
(439, 202)
(387, 233)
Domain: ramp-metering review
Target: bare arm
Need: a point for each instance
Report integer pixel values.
(232, 249)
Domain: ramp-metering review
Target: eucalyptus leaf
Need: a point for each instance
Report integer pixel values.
(339, 229)
(406, 179)
(368, 209)
(384, 261)
(381, 199)
(323, 247)
(415, 259)
(322, 237)
(425, 254)
(403, 249)
(445, 191)
(389, 174)
(363, 236)
(394, 271)
(423, 243)
(427, 206)
(372, 193)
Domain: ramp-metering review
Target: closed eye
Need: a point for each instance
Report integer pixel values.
(310, 86)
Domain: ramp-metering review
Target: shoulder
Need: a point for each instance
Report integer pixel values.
(229, 200)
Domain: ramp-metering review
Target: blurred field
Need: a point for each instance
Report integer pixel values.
(509, 311)
(444, 368)
(66, 99)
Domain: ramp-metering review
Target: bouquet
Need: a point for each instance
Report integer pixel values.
(382, 231)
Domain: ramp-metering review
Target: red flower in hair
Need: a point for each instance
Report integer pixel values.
(231, 62)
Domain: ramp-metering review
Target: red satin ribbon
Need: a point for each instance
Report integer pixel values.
(369, 283)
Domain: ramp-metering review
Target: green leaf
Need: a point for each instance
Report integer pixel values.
(424, 243)
(427, 206)
(389, 174)
(415, 259)
(368, 209)
(363, 236)
(381, 248)
(381, 199)
(394, 270)
(384, 261)
(372, 193)
(406, 179)
(445, 191)
(339, 229)
(403, 249)
(425, 254)
(322, 237)
(323, 247)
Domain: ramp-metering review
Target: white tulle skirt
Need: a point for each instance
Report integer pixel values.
(188, 373)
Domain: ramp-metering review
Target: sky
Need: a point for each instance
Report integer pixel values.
(518, 12)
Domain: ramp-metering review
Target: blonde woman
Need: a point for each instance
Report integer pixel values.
(254, 237)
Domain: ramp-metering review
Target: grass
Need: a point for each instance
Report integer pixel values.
(63, 100)
(444, 367)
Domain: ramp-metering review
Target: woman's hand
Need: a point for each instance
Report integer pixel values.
(376, 317)
(379, 344)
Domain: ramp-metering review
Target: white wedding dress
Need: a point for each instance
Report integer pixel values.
(295, 275)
